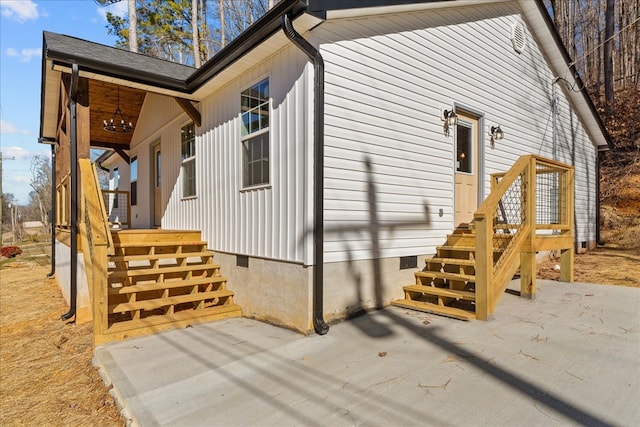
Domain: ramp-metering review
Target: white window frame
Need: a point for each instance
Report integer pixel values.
(251, 136)
(188, 161)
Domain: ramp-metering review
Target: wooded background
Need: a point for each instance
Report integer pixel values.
(602, 37)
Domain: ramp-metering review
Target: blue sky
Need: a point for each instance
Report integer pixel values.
(21, 25)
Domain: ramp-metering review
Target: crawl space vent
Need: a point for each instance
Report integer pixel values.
(518, 37)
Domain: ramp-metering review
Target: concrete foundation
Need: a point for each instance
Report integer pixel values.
(63, 277)
(281, 292)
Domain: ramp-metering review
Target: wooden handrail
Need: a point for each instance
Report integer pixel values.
(97, 244)
(493, 274)
(488, 206)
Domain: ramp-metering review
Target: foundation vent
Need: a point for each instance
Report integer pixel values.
(518, 37)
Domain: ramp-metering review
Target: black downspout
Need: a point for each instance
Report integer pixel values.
(599, 240)
(319, 324)
(52, 216)
(73, 93)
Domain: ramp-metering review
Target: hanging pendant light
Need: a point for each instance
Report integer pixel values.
(118, 123)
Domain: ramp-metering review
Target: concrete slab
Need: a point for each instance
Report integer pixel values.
(571, 357)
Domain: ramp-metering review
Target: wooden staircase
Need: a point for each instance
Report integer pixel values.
(159, 279)
(447, 284)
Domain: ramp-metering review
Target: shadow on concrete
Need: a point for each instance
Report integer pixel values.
(301, 379)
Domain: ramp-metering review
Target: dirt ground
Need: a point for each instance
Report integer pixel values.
(46, 376)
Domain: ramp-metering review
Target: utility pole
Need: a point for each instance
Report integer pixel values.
(1, 192)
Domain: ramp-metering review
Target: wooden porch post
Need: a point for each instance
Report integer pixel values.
(484, 265)
(528, 254)
(83, 137)
(567, 254)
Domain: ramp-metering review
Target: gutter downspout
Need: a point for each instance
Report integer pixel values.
(52, 217)
(319, 324)
(73, 94)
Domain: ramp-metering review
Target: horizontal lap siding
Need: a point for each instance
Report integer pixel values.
(386, 80)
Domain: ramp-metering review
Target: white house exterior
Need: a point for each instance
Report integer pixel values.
(389, 169)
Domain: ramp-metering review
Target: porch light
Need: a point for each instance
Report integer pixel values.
(118, 123)
(496, 134)
(450, 119)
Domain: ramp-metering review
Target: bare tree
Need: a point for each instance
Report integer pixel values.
(196, 38)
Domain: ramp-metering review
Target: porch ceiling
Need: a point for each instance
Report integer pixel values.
(103, 101)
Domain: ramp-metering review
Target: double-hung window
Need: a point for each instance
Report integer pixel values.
(255, 134)
(133, 171)
(188, 137)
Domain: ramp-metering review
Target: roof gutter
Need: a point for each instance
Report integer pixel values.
(73, 176)
(319, 324)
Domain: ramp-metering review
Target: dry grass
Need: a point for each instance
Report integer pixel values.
(46, 376)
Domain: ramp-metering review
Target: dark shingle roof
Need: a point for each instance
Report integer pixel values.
(120, 63)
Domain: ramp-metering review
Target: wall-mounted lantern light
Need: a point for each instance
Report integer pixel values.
(450, 119)
(496, 134)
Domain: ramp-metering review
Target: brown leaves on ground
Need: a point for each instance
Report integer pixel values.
(607, 266)
(46, 374)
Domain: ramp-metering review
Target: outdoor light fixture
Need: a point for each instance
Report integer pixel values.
(496, 134)
(118, 123)
(450, 119)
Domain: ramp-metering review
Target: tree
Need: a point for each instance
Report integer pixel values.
(181, 30)
(131, 33)
(41, 184)
(603, 36)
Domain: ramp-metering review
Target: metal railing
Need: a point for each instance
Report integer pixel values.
(118, 206)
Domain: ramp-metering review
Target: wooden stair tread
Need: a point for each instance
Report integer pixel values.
(124, 258)
(443, 292)
(445, 275)
(179, 319)
(463, 248)
(453, 261)
(427, 307)
(150, 244)
(144, 271)
(163, 302)
(170, 284)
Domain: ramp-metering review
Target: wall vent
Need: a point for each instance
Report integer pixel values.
(518, 37)
(242, 261)
(408, 262)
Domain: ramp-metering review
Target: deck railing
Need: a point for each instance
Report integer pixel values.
(530, 208)
(118, 206)
(63, 203)
(96, 242)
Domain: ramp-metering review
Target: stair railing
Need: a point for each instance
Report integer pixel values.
(96, 242)
(530, 208)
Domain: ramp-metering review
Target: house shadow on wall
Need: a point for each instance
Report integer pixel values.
(371, 291)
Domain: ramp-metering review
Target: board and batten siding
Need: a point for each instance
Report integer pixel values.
(161, 119)
(389, 169)
(270, 221)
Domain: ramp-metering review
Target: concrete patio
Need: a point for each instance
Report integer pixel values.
(570, 357)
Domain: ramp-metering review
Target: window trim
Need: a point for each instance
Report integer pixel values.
(187, 160)
(133, 194)
(249, 136)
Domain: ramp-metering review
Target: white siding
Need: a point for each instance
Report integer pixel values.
(160, 120)
(269, 221)
(386, 81)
